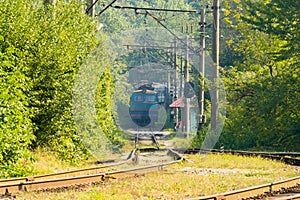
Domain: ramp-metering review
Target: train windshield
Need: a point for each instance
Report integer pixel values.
(138, 98)
(150, 98)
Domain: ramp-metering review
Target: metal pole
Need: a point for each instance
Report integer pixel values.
(202, 71)
(91, 8)
(186, 100)
(168, 81)
(215, 52)
(175, 80)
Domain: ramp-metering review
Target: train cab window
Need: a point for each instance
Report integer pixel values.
(138, 98)
(150, 98)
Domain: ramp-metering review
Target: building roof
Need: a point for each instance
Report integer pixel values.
(179, 103)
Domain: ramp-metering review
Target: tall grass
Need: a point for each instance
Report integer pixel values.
(198, 175)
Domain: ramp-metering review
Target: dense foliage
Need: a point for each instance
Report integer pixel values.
(263, 87)
(16, 131)
(104, 94)
(43, 46)
(259, 64)
(67, 36)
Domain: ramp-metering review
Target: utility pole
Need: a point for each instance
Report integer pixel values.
(175, 79)
(186, 100)
(168, 82)
(215, 71)
(91, 8)
(202, 70)
(181, 78)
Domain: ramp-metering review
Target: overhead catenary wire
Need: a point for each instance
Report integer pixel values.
(104, 9)
(159, 21)
(154, 9)
(146, 13)
(171, 32)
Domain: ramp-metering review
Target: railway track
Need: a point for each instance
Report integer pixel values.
(97, 174)
(71, 173)
(255, 192)
(82, 176)
(291, 158)
(275, 190)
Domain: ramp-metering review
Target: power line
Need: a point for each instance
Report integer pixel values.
(159, 21)
(104, 9)
(154, 9)
(172, 33)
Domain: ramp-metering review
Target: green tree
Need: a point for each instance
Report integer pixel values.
(66, 36)
(16, 132)
(263, 87)
(280, 18)
(104, 106)
(40, 55)
(16, 127)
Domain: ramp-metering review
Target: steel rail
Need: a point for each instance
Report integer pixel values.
(281, 154)
(252, 191)
(291, 158)
(71, 173)
(239, 152)
(249, 192)
(286, 197)
(54, 182)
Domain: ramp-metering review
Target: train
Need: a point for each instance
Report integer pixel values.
(145, 103)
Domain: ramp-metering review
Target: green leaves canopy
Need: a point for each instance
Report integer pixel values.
(40, 52)
(280, 18)
(263, 88)
(15, 125)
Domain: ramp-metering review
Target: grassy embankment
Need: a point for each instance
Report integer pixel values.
(199, 175)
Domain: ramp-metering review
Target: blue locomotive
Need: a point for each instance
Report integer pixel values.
(145, 104)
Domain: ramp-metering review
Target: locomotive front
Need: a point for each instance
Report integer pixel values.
(144, 106)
